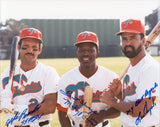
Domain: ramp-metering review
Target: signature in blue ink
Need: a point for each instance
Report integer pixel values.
(23, 117)
(145, 111)
(69, 103)
(78, 113)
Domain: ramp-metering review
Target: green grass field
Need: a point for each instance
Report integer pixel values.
(116, 64)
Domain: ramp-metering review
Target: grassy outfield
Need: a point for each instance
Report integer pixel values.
(116, 64)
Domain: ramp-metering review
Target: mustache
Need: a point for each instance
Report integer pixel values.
(128, 46)
(29, 54)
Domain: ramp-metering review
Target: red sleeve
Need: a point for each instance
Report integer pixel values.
(60, 108)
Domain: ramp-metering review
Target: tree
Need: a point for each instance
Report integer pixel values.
(10, 29)
(151, 20)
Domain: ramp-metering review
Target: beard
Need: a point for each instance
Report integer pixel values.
(133, 53)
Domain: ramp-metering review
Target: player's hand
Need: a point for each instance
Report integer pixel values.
(115, 87)
(107, 96)
(94, 119)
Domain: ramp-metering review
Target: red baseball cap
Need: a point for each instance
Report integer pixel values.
(132, 26)
(31, 33)
(87, 36)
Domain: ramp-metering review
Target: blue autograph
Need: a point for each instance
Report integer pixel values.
(145, 111)
(68, 102)
(23, 117)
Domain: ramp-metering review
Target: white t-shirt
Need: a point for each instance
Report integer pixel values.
(143, 77)
(38, 82)
(74, 83)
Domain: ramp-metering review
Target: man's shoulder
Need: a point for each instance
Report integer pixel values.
(71, 73)
(106, 70)
(150, 66)
(151, 62)
(5, 73)
(44, 67)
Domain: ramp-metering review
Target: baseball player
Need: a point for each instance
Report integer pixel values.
(34, 85)
(140, 88)
(72, 85)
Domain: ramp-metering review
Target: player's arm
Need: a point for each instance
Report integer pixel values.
(62, 108)
(47, 106)
(110, 113)
(63, 103)
(5, 92)
(64, 119)
(97, 118)
(116, 87)
(137, 108)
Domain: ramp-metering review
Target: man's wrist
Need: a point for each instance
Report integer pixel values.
(115, 101)
(102, 115)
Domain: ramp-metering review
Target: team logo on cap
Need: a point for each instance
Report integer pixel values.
(127, 22)
(85, 34)
(32, 31)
